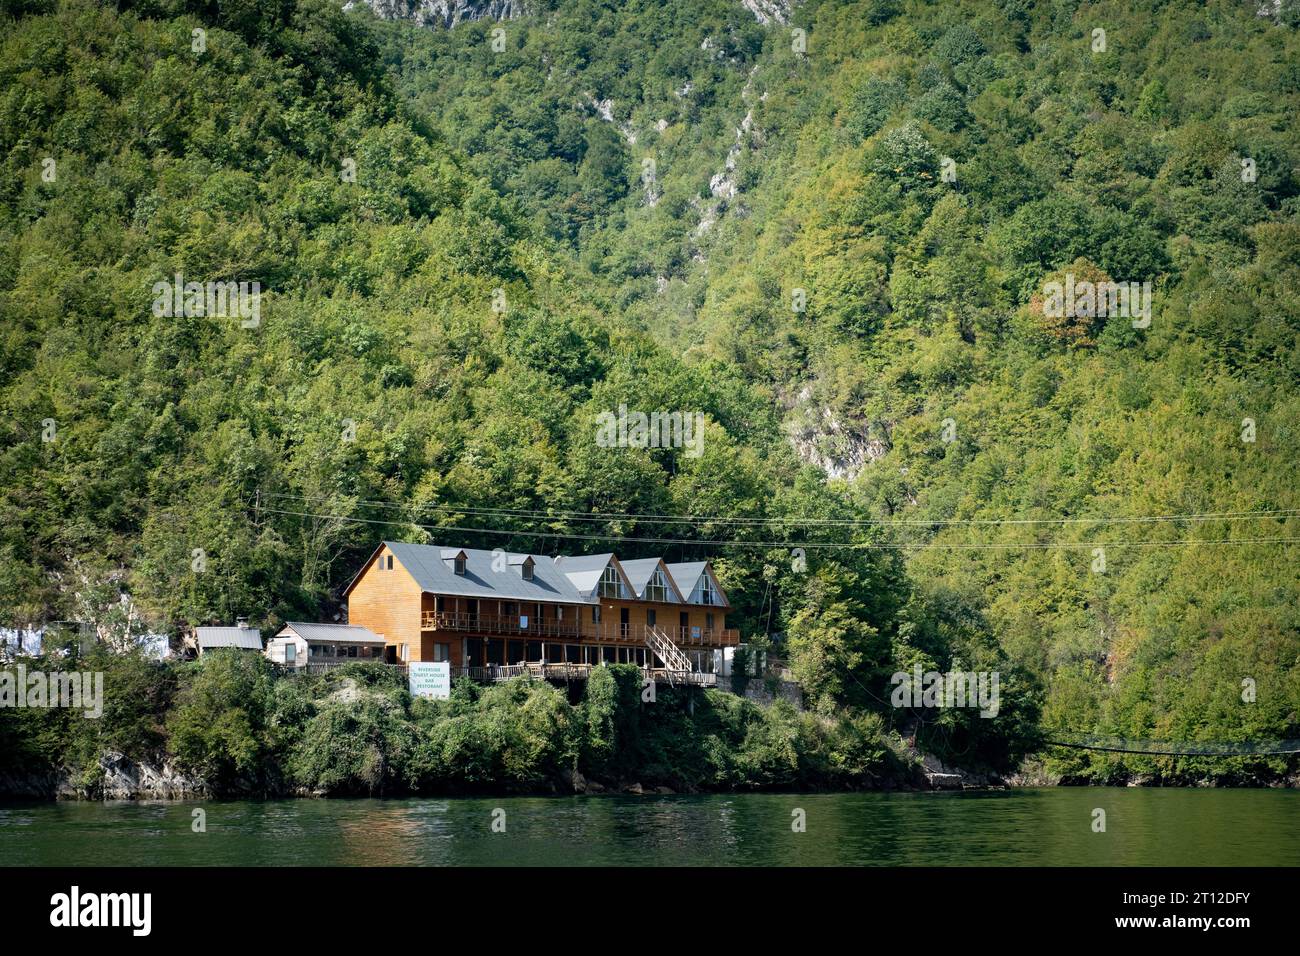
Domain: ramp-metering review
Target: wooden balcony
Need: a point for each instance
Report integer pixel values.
(586, 631)
(498, 624)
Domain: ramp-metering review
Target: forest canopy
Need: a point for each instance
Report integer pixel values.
(836, 254)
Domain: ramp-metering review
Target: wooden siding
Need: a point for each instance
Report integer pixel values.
(388, 602)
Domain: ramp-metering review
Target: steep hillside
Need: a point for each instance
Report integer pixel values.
(833, 235)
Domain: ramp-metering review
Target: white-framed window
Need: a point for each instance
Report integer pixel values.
(657, 589)
(611, 585)
(460, 565)
(528, 570)
(708, 593)
(442, 652)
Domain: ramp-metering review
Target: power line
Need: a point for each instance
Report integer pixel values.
(864, 546)
(832, 522)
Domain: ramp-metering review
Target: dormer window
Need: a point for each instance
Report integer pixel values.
(456, 560)
(526, 569)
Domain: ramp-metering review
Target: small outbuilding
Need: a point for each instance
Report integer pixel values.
(241, 636)
(299, 643)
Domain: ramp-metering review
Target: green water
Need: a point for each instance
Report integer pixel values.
(1012, 828)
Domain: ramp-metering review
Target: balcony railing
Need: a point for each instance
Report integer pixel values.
(616, 633)
(498, 624)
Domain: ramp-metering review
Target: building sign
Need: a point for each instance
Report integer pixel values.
(431, 679)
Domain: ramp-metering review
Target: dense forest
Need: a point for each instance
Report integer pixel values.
(829, 235)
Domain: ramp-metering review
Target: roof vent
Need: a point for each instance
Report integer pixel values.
(241, 623)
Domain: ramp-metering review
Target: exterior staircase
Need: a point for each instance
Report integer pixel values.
(661, 646)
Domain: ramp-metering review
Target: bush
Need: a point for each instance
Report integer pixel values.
(219, 728)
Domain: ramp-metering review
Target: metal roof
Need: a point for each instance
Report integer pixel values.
(563, 579)
(640, 571)
(584, 570)
(249, 638)
(435, 573)
(331, 633)
(687, 574)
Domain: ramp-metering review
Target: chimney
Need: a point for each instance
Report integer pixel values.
(241, 623)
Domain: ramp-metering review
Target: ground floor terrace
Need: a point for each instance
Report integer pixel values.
(468, 653)
(469, 632)
(566, 673)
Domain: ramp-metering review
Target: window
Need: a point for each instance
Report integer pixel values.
(708, 594)
(528, 569)
(595, 614)
(442, 652)
(708, 620)
(611, 585)
(650, 617)
(460, 564)
(657, 589)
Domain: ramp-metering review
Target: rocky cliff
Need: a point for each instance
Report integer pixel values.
(444, 12)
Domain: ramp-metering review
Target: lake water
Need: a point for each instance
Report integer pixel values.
(1012, 828)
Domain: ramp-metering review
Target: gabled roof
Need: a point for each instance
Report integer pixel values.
(584, 571)
(640, 571)
(561, 579)
(425, 563)
(248, 638)
(687, 575)
(331, 633)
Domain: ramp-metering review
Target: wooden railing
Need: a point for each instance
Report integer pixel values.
(498, 624)
(325, 665)
(503, 672)
(586, 631)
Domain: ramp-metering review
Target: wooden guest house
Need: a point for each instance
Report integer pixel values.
(485, 610)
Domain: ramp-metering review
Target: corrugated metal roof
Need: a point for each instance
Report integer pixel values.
(332, 633)
(249, 638)
(432, 573)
